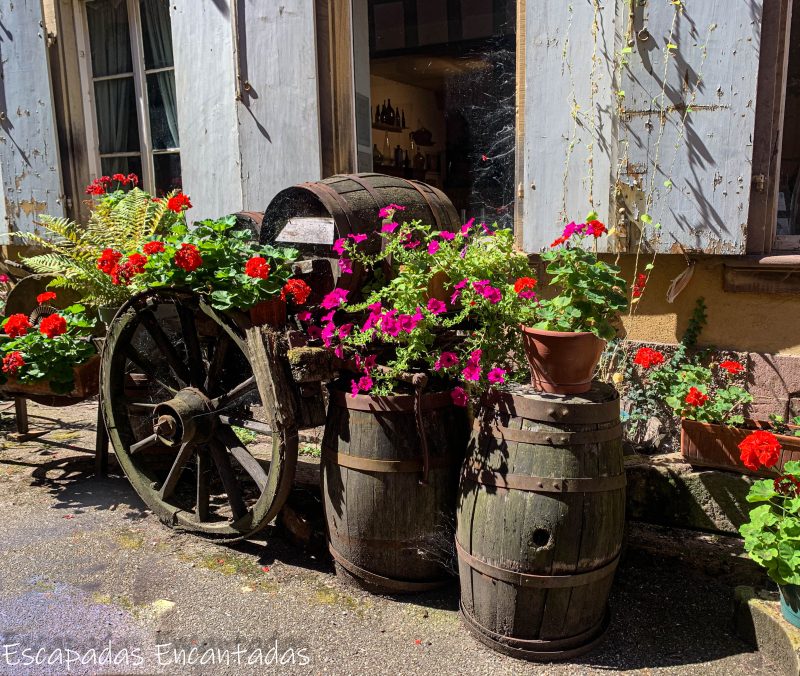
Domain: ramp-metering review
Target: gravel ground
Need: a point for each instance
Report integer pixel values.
(84, 566)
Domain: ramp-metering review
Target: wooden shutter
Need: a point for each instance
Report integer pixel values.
(29, 160)
(279, 128)
(686, 140)
(614, 140)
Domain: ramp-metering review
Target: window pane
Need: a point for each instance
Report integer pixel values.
(389, 29)
(157, 34)
(117, 125)
(109, 37)
(121, 165)
(168, 172)
(163, 111)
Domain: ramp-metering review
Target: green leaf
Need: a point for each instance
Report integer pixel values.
(646, 218)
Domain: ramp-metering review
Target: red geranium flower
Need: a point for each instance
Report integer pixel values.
(17, 325)
(133, 179)
(595, 228)
(298, 289)
(188, 257)
(647, 357)
(109, 261)
(524, 284)
(53, 325)
(153, 247)
(695, 397)
(760, 447)
(638, 287)
(257, 267)
(135, 264)
(46, 296)
(13, 362)
(179, 203)
(732, 367)
(558, 240)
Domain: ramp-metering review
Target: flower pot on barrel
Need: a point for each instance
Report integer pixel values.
(540, 520)
(389, 479)
(564, 334)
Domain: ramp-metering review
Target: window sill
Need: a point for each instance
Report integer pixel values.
(762, 274)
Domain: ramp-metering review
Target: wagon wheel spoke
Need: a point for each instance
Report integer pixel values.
(197, 368)
(139, 362)
(243, 457)
(202, 493)
(242, 389)
(166, 347)
(168, 487)
(217, 361)
(144, 444)
(140, 407)
(220, 456)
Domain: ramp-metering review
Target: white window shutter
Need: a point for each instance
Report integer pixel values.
(29, 159)
(686, 141)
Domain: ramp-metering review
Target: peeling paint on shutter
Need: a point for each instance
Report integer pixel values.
(29, 160)
(686, 147)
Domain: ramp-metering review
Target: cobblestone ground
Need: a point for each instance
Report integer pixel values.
(83, 565)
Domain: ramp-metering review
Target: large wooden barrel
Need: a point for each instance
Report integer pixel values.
(389, 527)
(311, 216)
(540, 520)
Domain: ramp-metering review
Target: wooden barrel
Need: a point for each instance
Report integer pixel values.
(350, 204)
(387, 527)
(540, 520)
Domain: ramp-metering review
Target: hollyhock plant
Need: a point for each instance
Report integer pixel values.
(440, 283)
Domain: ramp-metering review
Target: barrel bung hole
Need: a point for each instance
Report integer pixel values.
(540, 537)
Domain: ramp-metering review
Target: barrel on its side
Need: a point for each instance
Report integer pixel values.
(540, 521)
(352, 203)
(386, 529)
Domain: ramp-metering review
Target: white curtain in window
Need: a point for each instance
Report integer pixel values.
(155, 17)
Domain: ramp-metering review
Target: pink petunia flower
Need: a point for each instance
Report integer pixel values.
(304, 315)
(447, 235)
(338, 245)
(472, 372)
(334, 299)
(357, 238)
(446, 360)
(433, 247)
(346, 266)
(467, 226)
(459, 396)
(390, 227)
(436, 306)
(496, 375)
(389, 209)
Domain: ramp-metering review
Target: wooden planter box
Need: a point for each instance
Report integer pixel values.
(717, 446)
(87, 383)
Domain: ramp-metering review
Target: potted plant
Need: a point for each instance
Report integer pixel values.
(53, 355)
(218, 259)
(771, 535)
(709, 402)
(565, 334)
(411, 353)
(83, 257)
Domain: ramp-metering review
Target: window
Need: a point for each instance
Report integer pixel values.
(129, 81)
(443, 91)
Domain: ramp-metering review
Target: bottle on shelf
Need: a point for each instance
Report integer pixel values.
(377, 156)
(398, 156)
(383, 113)
(389, 113)
(398, 122)
(404, 119)
(377, 114)
(405, 158)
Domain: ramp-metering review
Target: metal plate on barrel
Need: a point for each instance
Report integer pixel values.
(307, 230)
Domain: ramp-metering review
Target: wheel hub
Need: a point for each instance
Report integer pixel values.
(187, 417)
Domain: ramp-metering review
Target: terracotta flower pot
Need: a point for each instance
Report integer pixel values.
(270, 312)
(790, 603)
(717, 446)
(562, 362)
(87, 383)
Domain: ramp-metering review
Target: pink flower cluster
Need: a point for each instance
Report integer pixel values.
(364, 383)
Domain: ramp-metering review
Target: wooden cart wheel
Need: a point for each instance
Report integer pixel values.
(177, 382)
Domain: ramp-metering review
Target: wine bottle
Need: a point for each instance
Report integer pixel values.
(377, 114)
(404, 119)
(389, 114)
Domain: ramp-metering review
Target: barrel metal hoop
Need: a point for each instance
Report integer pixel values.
(390, 404)
(414, 465)
(536, 581)
(557, 649)
(554, 408)
(550, 437)
(437, 217)
(335, 203)
(379, 201)
(539, 484)
(387, 583)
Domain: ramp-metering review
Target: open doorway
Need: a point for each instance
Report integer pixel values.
(442, 86)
